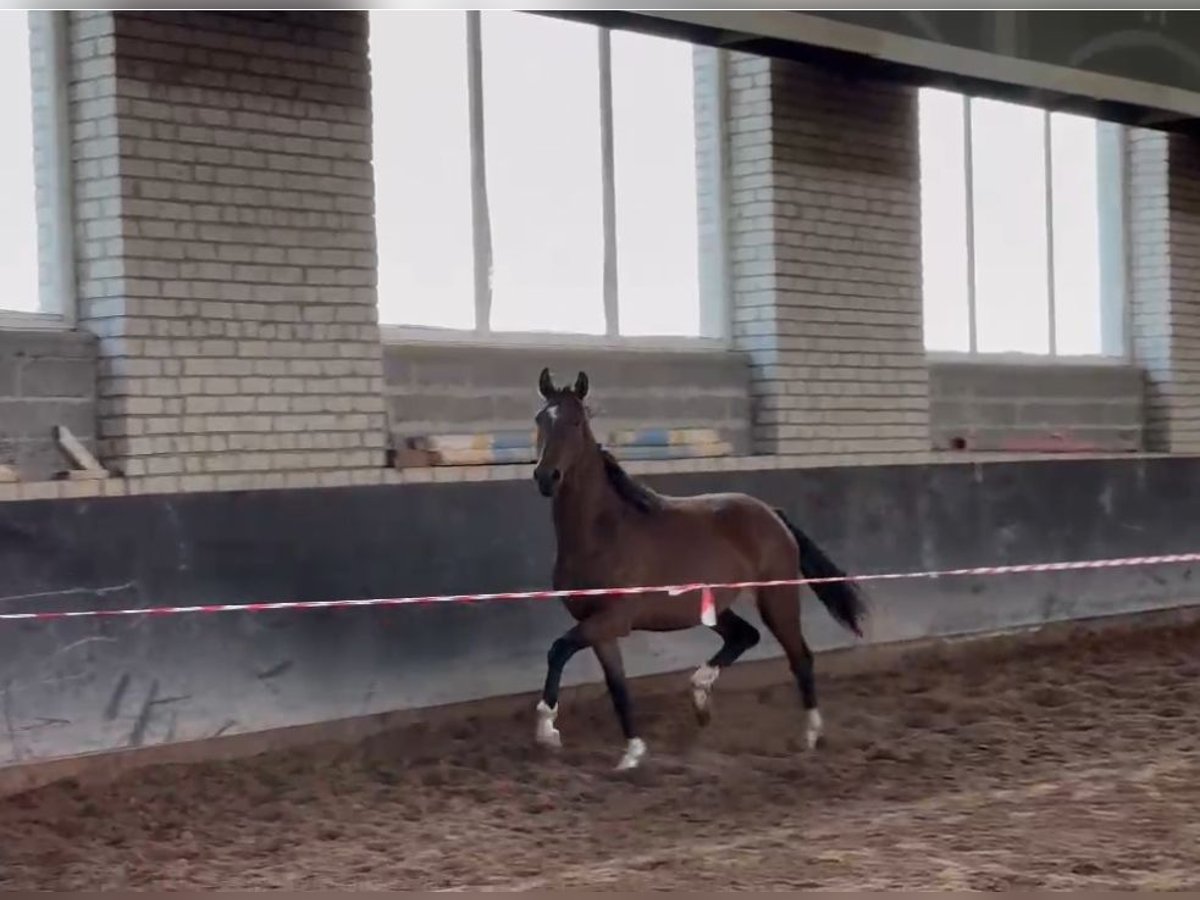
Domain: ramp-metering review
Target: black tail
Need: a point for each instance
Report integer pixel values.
(841, 598)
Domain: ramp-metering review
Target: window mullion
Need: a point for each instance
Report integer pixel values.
(55, 40)
(480, 216)
(1113, 202)
(1048, 149)
(612, 320)
(969, 177)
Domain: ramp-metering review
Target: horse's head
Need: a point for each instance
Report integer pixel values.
(563, 434)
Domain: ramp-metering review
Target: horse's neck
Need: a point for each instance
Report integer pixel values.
(584, 501)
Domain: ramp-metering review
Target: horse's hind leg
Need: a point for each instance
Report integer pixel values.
(739, 636)
(780, 611)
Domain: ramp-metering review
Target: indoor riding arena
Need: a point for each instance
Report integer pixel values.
(279, 287)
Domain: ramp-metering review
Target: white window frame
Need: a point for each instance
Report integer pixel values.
(714, 296)
(58, 309)
(1115, 289)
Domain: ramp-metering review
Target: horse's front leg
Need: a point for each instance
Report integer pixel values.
(609, 654)
(601, 633)
(560, 654)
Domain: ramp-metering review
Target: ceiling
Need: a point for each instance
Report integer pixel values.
(1136, 67)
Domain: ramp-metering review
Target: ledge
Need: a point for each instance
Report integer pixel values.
(176, 484)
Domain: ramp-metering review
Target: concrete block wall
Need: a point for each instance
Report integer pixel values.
(435, 388)
(133, 681)
(978, 405)
(227, 260)
(1164, 221)
(47, 378)
(825, 235)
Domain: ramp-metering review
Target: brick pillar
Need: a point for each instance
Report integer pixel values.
(826, 259)
(224, 205)
(1164, 221)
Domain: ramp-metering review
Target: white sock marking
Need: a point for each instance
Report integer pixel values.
(703, 680)
(812, 731)
(547, 735)
(635, 752)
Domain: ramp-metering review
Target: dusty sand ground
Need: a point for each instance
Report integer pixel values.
(1011, 767)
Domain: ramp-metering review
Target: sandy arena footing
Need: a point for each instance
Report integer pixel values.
(1050, 766)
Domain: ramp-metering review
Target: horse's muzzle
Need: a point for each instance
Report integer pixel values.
(547, 481)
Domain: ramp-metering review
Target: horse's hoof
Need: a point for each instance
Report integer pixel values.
(813, 730)
(635, 752)
(547, 735)
(702, 683)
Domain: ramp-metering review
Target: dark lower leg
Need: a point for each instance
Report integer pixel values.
(800, 659)
(739, 636)
(780, 610)
(609, 655)
(560, 654)
(618, 690)
(802, 668)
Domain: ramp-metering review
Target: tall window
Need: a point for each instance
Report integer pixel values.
(19, 291)
(542, 140)
(422, 159)
(534, 175)
(1011, 230)
(654, 136)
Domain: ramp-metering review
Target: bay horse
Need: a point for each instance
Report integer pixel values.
(613, 531)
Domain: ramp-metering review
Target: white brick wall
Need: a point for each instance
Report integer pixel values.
(92, 96)
(752, 249)
(1164, 195)
(1149, 240)
(225, 248)
(826, 259)
(227, 252)
(44, 149)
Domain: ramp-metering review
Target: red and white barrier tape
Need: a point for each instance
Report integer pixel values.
(674, 590)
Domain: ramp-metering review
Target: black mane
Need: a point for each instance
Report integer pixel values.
(633, 492)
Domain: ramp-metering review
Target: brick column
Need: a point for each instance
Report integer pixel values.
(224, 207)
(1164, 222)
(826, 264)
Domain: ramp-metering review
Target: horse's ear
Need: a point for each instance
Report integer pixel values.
(545, 385)
(581, 385)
